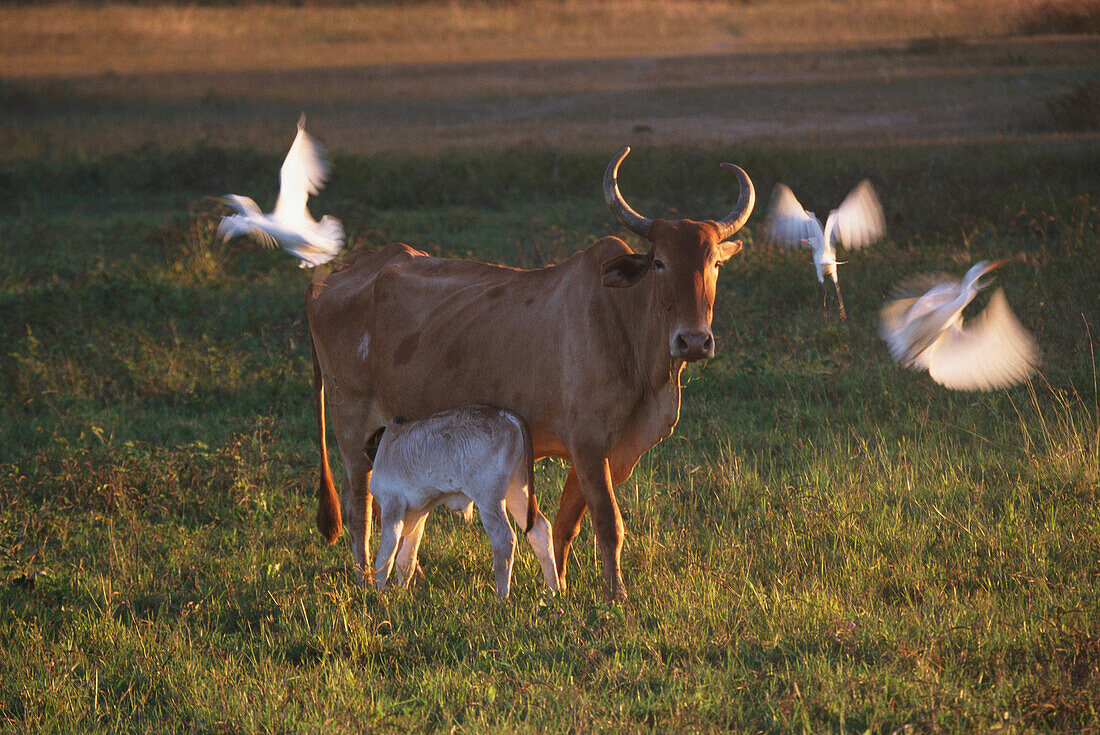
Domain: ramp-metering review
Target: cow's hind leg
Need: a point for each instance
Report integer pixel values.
(567, 523)
(503, 543)
(357, 506)
(354, 427)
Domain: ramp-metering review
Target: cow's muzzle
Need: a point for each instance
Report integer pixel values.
(691, 346)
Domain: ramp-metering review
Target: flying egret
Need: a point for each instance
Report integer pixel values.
(290, 224)
(857, 222)
(922, 324)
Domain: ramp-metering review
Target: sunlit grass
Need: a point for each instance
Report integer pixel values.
(828, 541)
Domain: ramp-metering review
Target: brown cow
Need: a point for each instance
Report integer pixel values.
(588, 352)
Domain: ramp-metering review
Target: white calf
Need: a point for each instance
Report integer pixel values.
(475, 455)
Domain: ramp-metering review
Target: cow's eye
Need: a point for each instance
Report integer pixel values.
(658, 265)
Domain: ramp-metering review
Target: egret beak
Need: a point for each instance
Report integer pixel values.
(993, 265)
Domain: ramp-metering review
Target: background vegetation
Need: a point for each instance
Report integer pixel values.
(94, 37)
(827, 543)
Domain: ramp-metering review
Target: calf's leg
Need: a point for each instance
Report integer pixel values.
(539, 539)
(410, 545)
(393, 521)
(502, 541)
(539, 535)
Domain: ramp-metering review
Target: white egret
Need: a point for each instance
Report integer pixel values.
(857, 222)
(290, 224)
(922, 324)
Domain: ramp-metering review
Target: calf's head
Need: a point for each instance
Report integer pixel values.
(683, 258)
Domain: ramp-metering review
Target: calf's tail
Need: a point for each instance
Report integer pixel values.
(529, 465)
(329, 521)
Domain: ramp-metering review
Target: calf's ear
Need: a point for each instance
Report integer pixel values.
(370, 449)
(625, 270)
(728, 249)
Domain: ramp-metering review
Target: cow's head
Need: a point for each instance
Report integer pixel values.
(684, 256)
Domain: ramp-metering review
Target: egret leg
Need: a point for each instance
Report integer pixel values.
(825, 301)
(840, 301)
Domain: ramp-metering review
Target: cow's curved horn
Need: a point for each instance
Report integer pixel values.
(736, 219)
(634, 222)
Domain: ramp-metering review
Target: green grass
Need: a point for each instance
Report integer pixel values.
(827, 542)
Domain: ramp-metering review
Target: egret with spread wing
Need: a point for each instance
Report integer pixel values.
(857, 222)
(290, 224)
(922, 324)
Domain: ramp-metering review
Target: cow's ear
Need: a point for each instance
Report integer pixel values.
(728, 249)
(625, 270)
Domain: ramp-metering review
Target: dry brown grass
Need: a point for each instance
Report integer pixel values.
(68, 40)
(566, 74)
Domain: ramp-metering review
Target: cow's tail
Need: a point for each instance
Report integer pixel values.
(529, 465)
(329, 521)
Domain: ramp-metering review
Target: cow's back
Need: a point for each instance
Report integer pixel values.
(332, 300)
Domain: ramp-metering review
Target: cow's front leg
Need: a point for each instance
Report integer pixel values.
(567, 523)
(594, 476)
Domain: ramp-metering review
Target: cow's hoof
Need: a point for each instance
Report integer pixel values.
(615, 595)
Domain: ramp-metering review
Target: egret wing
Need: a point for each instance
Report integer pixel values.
(892, 320)
(320, 245)
(992, 351)
(232, 226)
(242, 204)
(860, 220)
(909, 334)
(788, 223)
(303, 173)
(239, 224)
(916, 315)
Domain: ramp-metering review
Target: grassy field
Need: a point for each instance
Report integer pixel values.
(827, 542)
